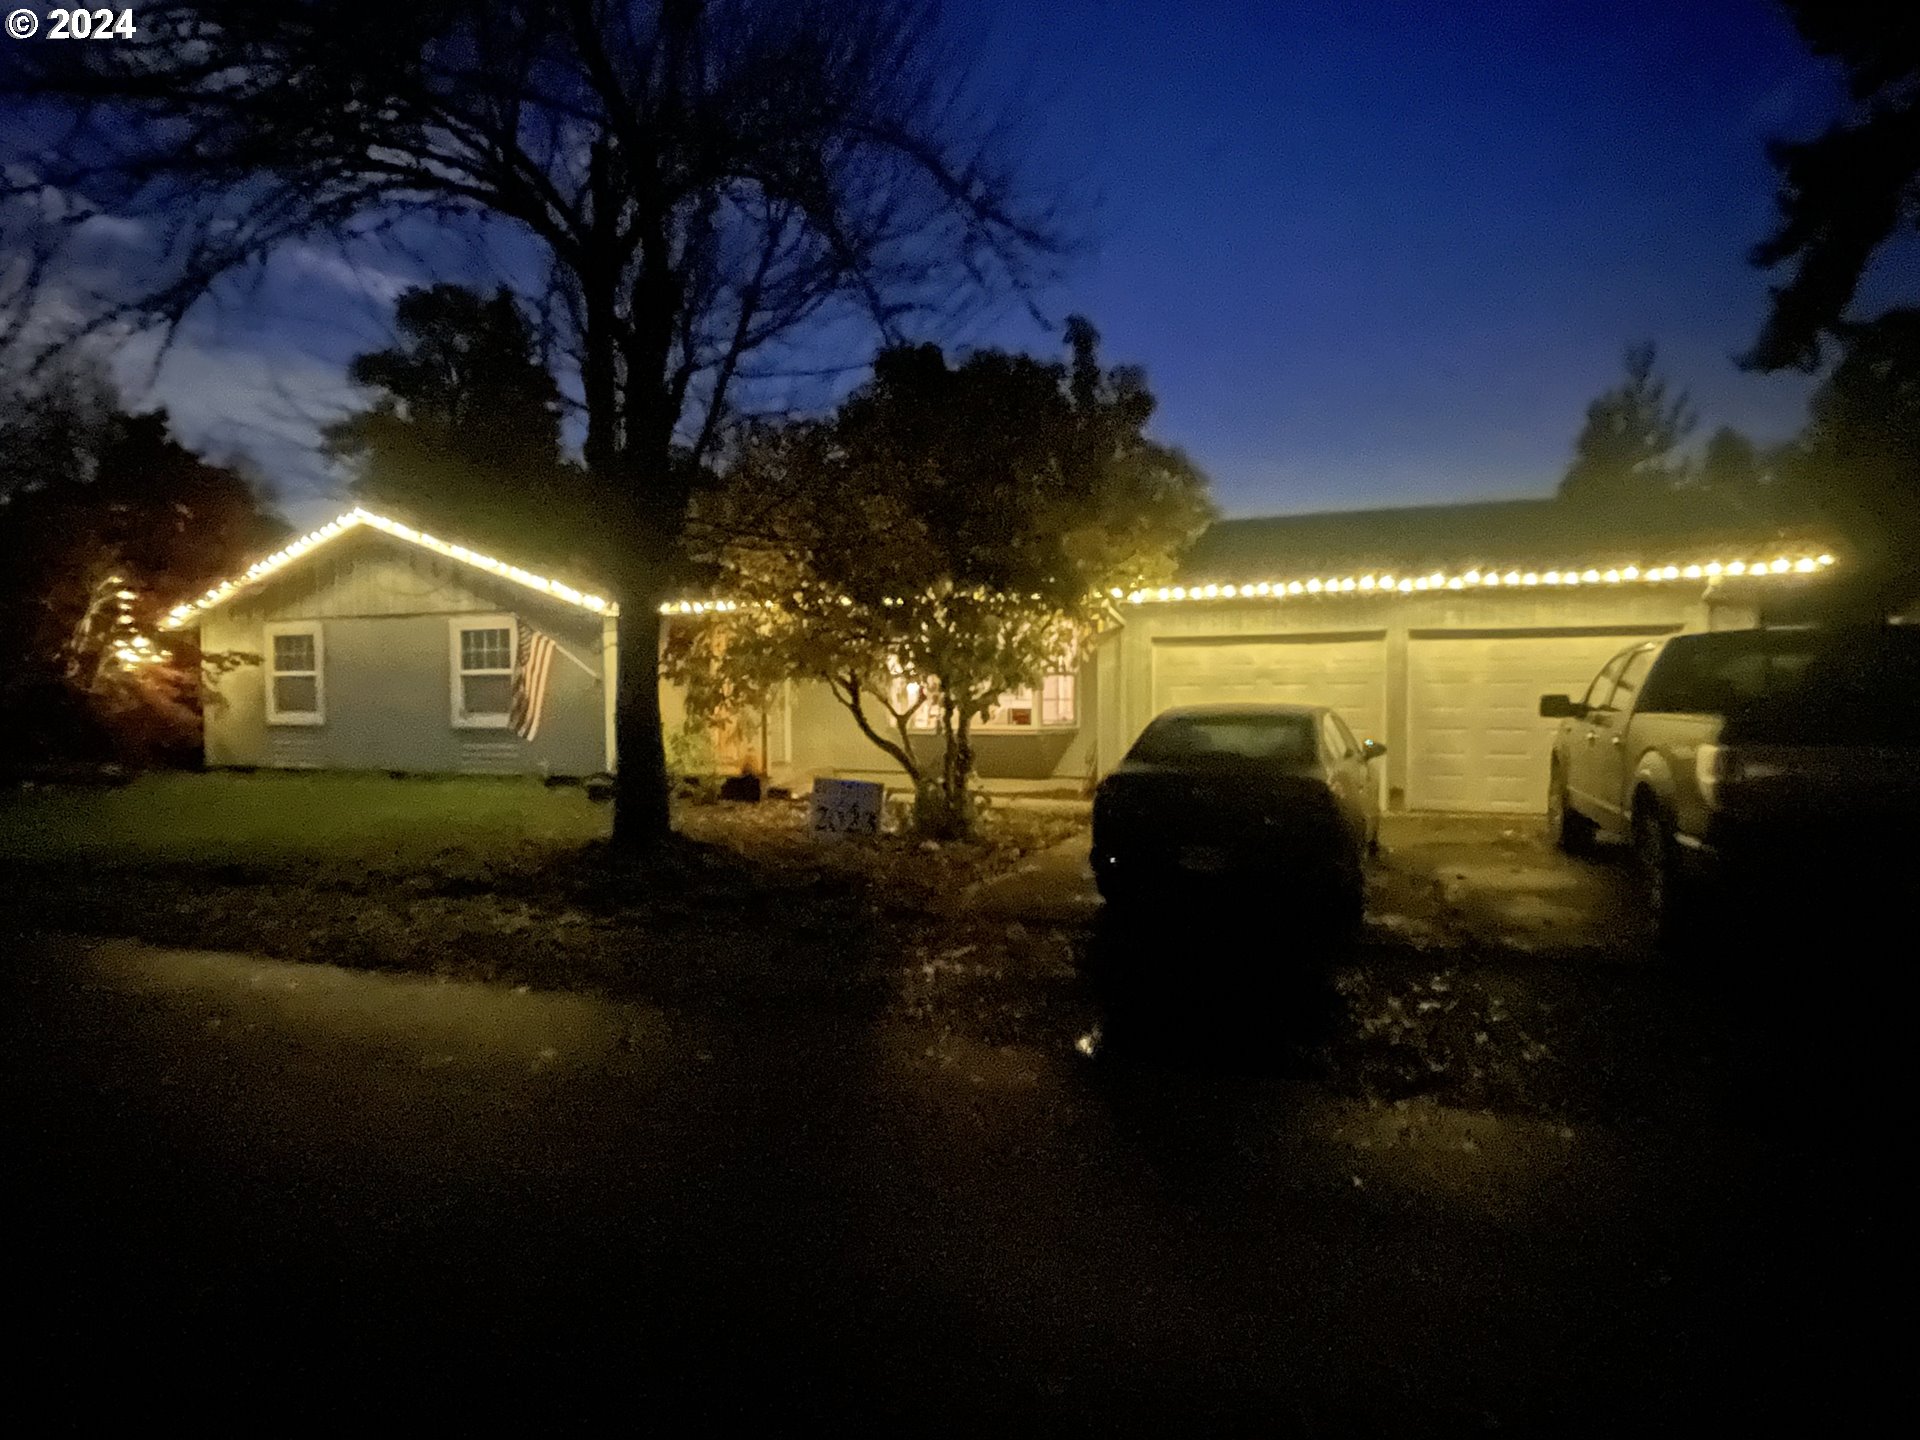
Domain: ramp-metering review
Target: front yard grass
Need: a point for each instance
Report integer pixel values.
(291, 818)
(508, 880)
(492, 879)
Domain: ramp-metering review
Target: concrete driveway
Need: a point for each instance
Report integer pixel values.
(1441, 881)
(1495, 881)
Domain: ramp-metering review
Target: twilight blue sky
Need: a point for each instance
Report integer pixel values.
(1369, 253)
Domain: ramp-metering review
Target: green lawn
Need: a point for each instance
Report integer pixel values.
(282, 817)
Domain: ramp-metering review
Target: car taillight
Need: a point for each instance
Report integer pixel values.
(1709, 763)
(1717, 765)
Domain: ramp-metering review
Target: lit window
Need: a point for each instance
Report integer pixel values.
(295, 692)
(1051, 705)
(1056, 700)
(1015, 709)
(482, 671)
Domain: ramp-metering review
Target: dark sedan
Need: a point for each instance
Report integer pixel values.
(1235, 794)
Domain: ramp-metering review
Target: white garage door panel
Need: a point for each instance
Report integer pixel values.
(1347, 674)
(1476, 738)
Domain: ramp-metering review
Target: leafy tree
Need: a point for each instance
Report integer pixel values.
(1848, 190)
(951, 533)
(1731, 464)
(700, 180)
(1628, 450)
(464, 433)
(100, 533)
(1859, 458)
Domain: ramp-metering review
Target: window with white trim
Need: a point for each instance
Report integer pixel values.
(1051, 706)
(296, 685)
(483, 655)
(1057, 700)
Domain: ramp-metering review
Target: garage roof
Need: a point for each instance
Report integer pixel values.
(1535, 534)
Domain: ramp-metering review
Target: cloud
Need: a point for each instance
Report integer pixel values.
(330, 267)
(261, 406)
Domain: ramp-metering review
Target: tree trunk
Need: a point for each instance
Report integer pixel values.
(640, 807)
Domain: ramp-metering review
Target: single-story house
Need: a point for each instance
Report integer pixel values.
(1434, 629)
(368, 645)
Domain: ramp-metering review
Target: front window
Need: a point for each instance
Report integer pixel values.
(1013, 709)
(483, 653)
(1057, 700)
(1050, 705)
(294, 685)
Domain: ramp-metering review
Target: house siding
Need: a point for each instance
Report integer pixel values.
(1430, 673)
(813, 734)
(386, 611)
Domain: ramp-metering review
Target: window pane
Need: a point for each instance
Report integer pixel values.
(293, 652)
(1602, 686)
(485, 694)
(1013, 708)
(1629, 682)
(486, 649)
(1056, 700)
(296, 694)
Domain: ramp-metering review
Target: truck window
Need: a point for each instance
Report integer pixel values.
(1712, 674)
(1631, 677)
(1601, 690)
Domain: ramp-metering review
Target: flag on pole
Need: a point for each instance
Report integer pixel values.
(533, 664)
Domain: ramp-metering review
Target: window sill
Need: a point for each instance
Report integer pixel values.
(1009, 730)
(481, 722)
(296, 719)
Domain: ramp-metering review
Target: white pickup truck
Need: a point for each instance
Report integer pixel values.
(1723, 752)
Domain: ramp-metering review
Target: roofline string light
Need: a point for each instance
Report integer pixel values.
(1391, 584)
(355, 518)
(1364, 584)
(1491, 579)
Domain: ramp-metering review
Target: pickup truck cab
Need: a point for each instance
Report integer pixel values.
(1720, 750)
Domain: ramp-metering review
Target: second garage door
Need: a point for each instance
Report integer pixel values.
(1476, 741)
(1345, 671)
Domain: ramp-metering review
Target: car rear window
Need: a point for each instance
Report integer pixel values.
(1243, 737)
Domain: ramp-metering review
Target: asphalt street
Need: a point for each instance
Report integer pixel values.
(338, 1194)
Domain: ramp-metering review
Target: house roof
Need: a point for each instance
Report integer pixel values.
(1473, 545)
(357, 519)
(1537, 535)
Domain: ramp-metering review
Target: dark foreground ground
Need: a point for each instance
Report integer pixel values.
(297, 1195)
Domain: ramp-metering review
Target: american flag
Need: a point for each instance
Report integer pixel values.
(530, 681)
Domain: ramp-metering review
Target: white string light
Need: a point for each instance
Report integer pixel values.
(1363, 584)
(353, 520)
(1370, 584)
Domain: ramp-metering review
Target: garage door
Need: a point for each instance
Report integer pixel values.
(1475, 737)
(1347, 672)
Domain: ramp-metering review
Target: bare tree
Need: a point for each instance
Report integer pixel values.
(702, 179)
